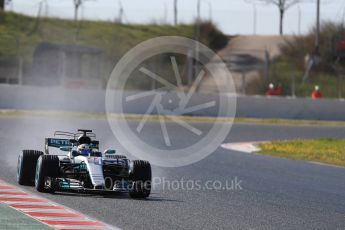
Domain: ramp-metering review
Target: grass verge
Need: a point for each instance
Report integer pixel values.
(327, 151)
(13, 219)
(115, 39)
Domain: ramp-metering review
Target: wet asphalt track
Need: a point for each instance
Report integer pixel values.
(276, 193)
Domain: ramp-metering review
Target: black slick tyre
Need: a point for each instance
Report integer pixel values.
(26, 166)
(140, 179)
(47, 169)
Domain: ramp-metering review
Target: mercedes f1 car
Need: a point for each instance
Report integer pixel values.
(83, 168)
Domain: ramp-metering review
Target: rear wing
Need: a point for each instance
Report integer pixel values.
(56, 143)
(59, 142)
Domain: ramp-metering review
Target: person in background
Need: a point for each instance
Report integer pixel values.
(278, 90)
(316, 93)
(270, 91)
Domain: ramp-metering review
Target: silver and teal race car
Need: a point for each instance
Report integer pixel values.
(83, 168)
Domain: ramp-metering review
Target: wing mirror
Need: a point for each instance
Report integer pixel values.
(65, 148)
(110, 151)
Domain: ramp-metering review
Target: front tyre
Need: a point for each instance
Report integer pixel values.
(47, 168)
(140, 179)
(26, 166)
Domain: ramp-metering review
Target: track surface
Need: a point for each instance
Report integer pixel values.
(276, 193)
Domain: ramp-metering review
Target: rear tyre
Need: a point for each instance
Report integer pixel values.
(140, 179)
(47, 168)
(26, 167)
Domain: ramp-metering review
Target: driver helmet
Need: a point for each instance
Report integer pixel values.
(84, 149)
